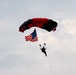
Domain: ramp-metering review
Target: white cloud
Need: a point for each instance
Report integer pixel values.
(70, 26)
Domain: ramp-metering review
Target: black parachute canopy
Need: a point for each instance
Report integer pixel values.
(43, 23)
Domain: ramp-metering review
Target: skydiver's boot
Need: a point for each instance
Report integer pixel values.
(45, 53)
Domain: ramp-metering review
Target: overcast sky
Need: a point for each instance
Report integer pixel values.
(18, 57)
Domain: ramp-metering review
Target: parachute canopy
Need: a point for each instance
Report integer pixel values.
(43, 23)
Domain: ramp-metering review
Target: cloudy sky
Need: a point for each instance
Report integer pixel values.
(18, 57)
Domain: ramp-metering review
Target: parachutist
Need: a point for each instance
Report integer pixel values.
(43, 49)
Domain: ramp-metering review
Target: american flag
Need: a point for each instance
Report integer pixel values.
(32, 37)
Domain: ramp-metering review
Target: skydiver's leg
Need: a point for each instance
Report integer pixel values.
(44, 53)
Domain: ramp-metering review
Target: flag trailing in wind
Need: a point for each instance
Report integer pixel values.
(32, 37)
